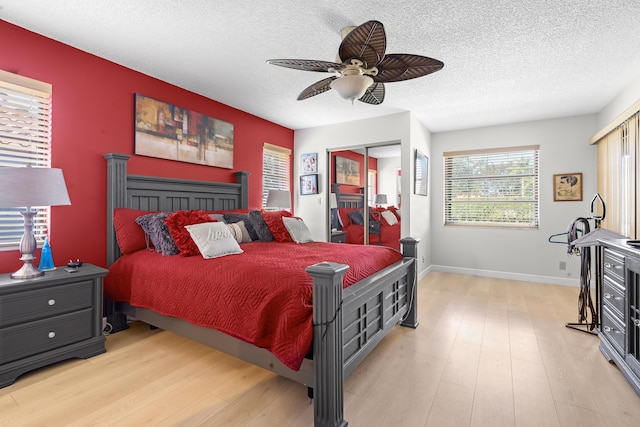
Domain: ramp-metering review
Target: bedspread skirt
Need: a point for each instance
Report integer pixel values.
(262, 296)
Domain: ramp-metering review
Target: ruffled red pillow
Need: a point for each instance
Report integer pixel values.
(176, 222)
(273, 219)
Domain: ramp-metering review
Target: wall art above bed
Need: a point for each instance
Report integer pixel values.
(170, 132)
(347, 171)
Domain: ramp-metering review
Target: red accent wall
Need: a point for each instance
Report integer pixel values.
(352, 155)
(93, 114)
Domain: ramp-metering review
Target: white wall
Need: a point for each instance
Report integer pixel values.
(399, 128)
(387, 168)
(522, 254)
(619, 104)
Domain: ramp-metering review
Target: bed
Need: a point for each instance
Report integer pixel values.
(346, 322)
(383, 223)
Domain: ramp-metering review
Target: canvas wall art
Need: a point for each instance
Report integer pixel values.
(170, 132)
(347, 171)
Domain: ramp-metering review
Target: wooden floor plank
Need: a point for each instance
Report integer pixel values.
(487, 352)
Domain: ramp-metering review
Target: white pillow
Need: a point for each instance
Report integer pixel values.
(297, 229)
(213, 239)
(389, 217)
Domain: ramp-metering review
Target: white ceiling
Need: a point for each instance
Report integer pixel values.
(505, 61)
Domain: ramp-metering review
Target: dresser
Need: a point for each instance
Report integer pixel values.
(620, 304)
(48, 319)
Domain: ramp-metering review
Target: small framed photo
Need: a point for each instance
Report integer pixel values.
(309, 163)
(567, 187)
(309, 184)
(422, 174)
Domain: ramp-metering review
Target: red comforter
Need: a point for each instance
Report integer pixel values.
(262, 296)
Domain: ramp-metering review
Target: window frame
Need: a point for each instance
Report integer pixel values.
(516, 188)
(25, 138)
(278, 178)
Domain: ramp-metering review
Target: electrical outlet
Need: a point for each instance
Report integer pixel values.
(563, 265)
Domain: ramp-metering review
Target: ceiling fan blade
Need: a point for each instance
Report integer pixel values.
(396, 67)
(317, 88)
(374, 94)
(305, 64)
(366, 42)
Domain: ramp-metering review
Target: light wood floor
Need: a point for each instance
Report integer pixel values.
(488, 352)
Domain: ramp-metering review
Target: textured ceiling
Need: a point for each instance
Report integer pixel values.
(505, 61)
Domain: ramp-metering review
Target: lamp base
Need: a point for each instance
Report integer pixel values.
(28, 271)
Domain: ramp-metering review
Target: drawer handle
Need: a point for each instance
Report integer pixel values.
(52, 334)
(609, 265)
(609, 296)
(51, 302)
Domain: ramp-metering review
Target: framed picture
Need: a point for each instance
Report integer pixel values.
(170, 132)
(567, 187)
(309, 184)
(309, 163)
(422, 174)
(347, 171)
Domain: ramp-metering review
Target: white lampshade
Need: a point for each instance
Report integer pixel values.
(333, 201)
(351, 87)
(280, 199)
(380, 199)
(27, 187)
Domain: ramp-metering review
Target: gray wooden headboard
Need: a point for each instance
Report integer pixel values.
(348, 200)
(165, 194)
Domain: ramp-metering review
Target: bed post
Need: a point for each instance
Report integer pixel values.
(328, 409)
(242, 178)
(116, 198)
(410, 250)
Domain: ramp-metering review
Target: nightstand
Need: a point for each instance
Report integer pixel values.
(48, 319)
(338, 236)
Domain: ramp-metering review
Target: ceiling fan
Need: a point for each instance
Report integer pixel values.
(362, 67)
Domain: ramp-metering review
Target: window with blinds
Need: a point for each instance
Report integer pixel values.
(497, 187)
(25, 138)
(276, 163)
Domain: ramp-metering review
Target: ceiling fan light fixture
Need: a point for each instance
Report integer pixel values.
(351, 87)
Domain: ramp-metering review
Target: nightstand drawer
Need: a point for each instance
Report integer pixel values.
(20, 341)
(25, 306)
(339, 236)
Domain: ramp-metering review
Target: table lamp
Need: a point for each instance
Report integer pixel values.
(27, 187)
(381, 199)
(279, 199)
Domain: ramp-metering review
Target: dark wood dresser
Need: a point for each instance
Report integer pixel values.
(620, 304)
(48, 319)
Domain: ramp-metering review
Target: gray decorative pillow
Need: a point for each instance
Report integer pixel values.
(231, 218)
(155, 228)
(357, 217)
(239, 232)
(261, 228)
(297, 229)
(218, 217)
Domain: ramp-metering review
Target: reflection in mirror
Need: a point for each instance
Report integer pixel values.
(356, 177)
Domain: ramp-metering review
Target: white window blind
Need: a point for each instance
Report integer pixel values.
(25, 138)
(492, 187)
(276, 163)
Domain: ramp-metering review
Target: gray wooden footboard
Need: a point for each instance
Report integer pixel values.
(348, 323)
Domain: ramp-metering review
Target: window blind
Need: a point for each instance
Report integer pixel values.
(275, 169)
(492, 187)
(25, 138)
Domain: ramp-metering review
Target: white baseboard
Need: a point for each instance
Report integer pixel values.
(574, 281)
